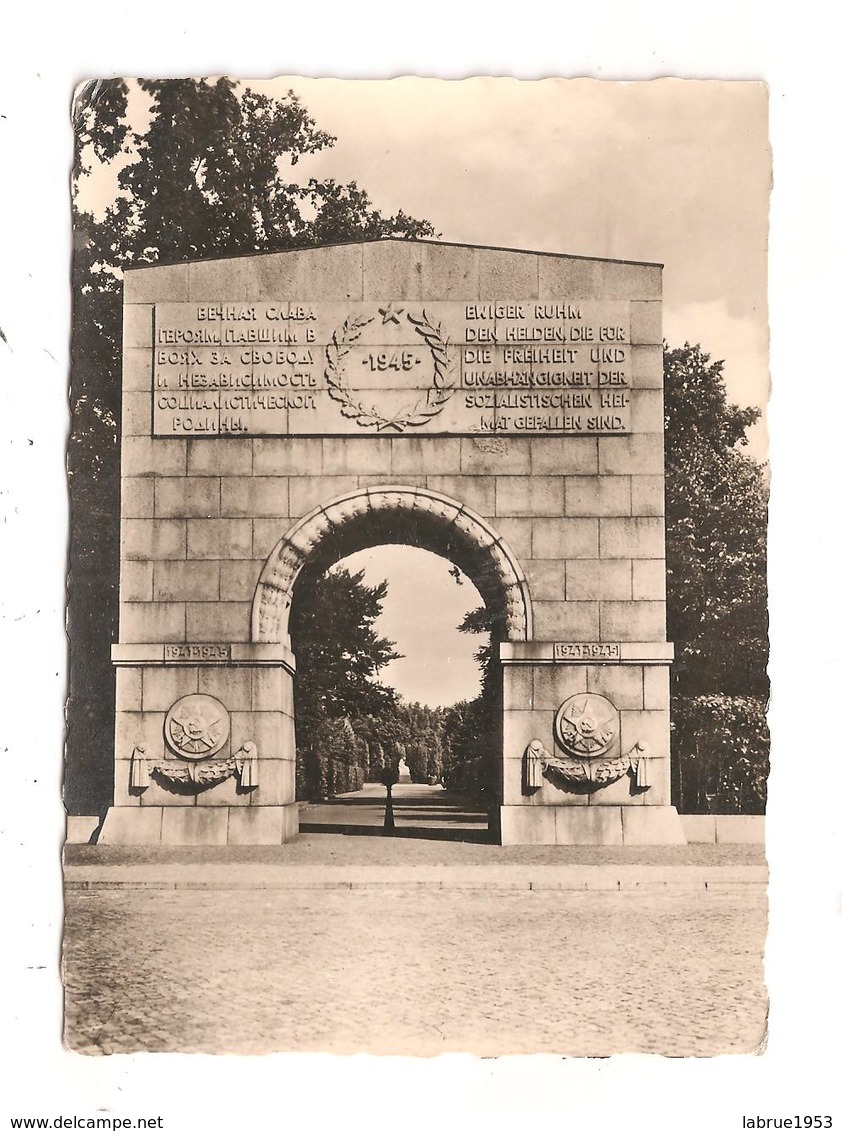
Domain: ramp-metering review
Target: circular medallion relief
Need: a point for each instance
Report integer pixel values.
(586, 725)
(197, 726)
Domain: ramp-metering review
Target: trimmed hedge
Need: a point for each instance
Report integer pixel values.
(720, 754)
(425, 759)
(334, 762)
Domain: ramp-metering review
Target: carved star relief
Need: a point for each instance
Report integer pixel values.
(389, 314)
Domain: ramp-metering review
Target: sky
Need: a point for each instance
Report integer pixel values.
(438, 666)
(670, 171)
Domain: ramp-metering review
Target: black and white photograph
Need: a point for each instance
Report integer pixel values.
(417, 594)
(420, 570)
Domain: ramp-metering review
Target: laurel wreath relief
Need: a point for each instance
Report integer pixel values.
(593, 772)
(426, 407)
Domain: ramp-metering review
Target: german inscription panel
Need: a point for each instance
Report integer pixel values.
(301, 368)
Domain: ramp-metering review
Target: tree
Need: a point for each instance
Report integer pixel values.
(716, 506)
(480, 622)
(338, 651)
(469, 758)
(209, 173)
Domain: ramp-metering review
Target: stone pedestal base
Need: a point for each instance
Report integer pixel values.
(591, 824)
(213, 825)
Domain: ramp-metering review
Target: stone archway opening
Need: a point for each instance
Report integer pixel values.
(387, 680)
(406, 517)
(399, 515)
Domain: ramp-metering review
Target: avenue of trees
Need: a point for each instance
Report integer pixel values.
(211, 171)
(349, 725)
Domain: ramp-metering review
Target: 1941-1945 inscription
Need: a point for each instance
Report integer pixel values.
(294, 368)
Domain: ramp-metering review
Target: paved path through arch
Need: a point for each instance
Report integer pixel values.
(422, 812)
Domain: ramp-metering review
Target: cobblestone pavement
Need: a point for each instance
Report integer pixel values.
(416, 972)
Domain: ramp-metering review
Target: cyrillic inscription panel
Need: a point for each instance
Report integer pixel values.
(290, 368)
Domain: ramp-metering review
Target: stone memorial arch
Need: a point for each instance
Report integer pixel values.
(502, 409)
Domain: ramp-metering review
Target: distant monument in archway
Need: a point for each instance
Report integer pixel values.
(502, 409)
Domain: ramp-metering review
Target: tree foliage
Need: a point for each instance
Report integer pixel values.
(716, 504)
(338, 652)
(209, 171)
(721, 753)
(350, 727)
(471, 731)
